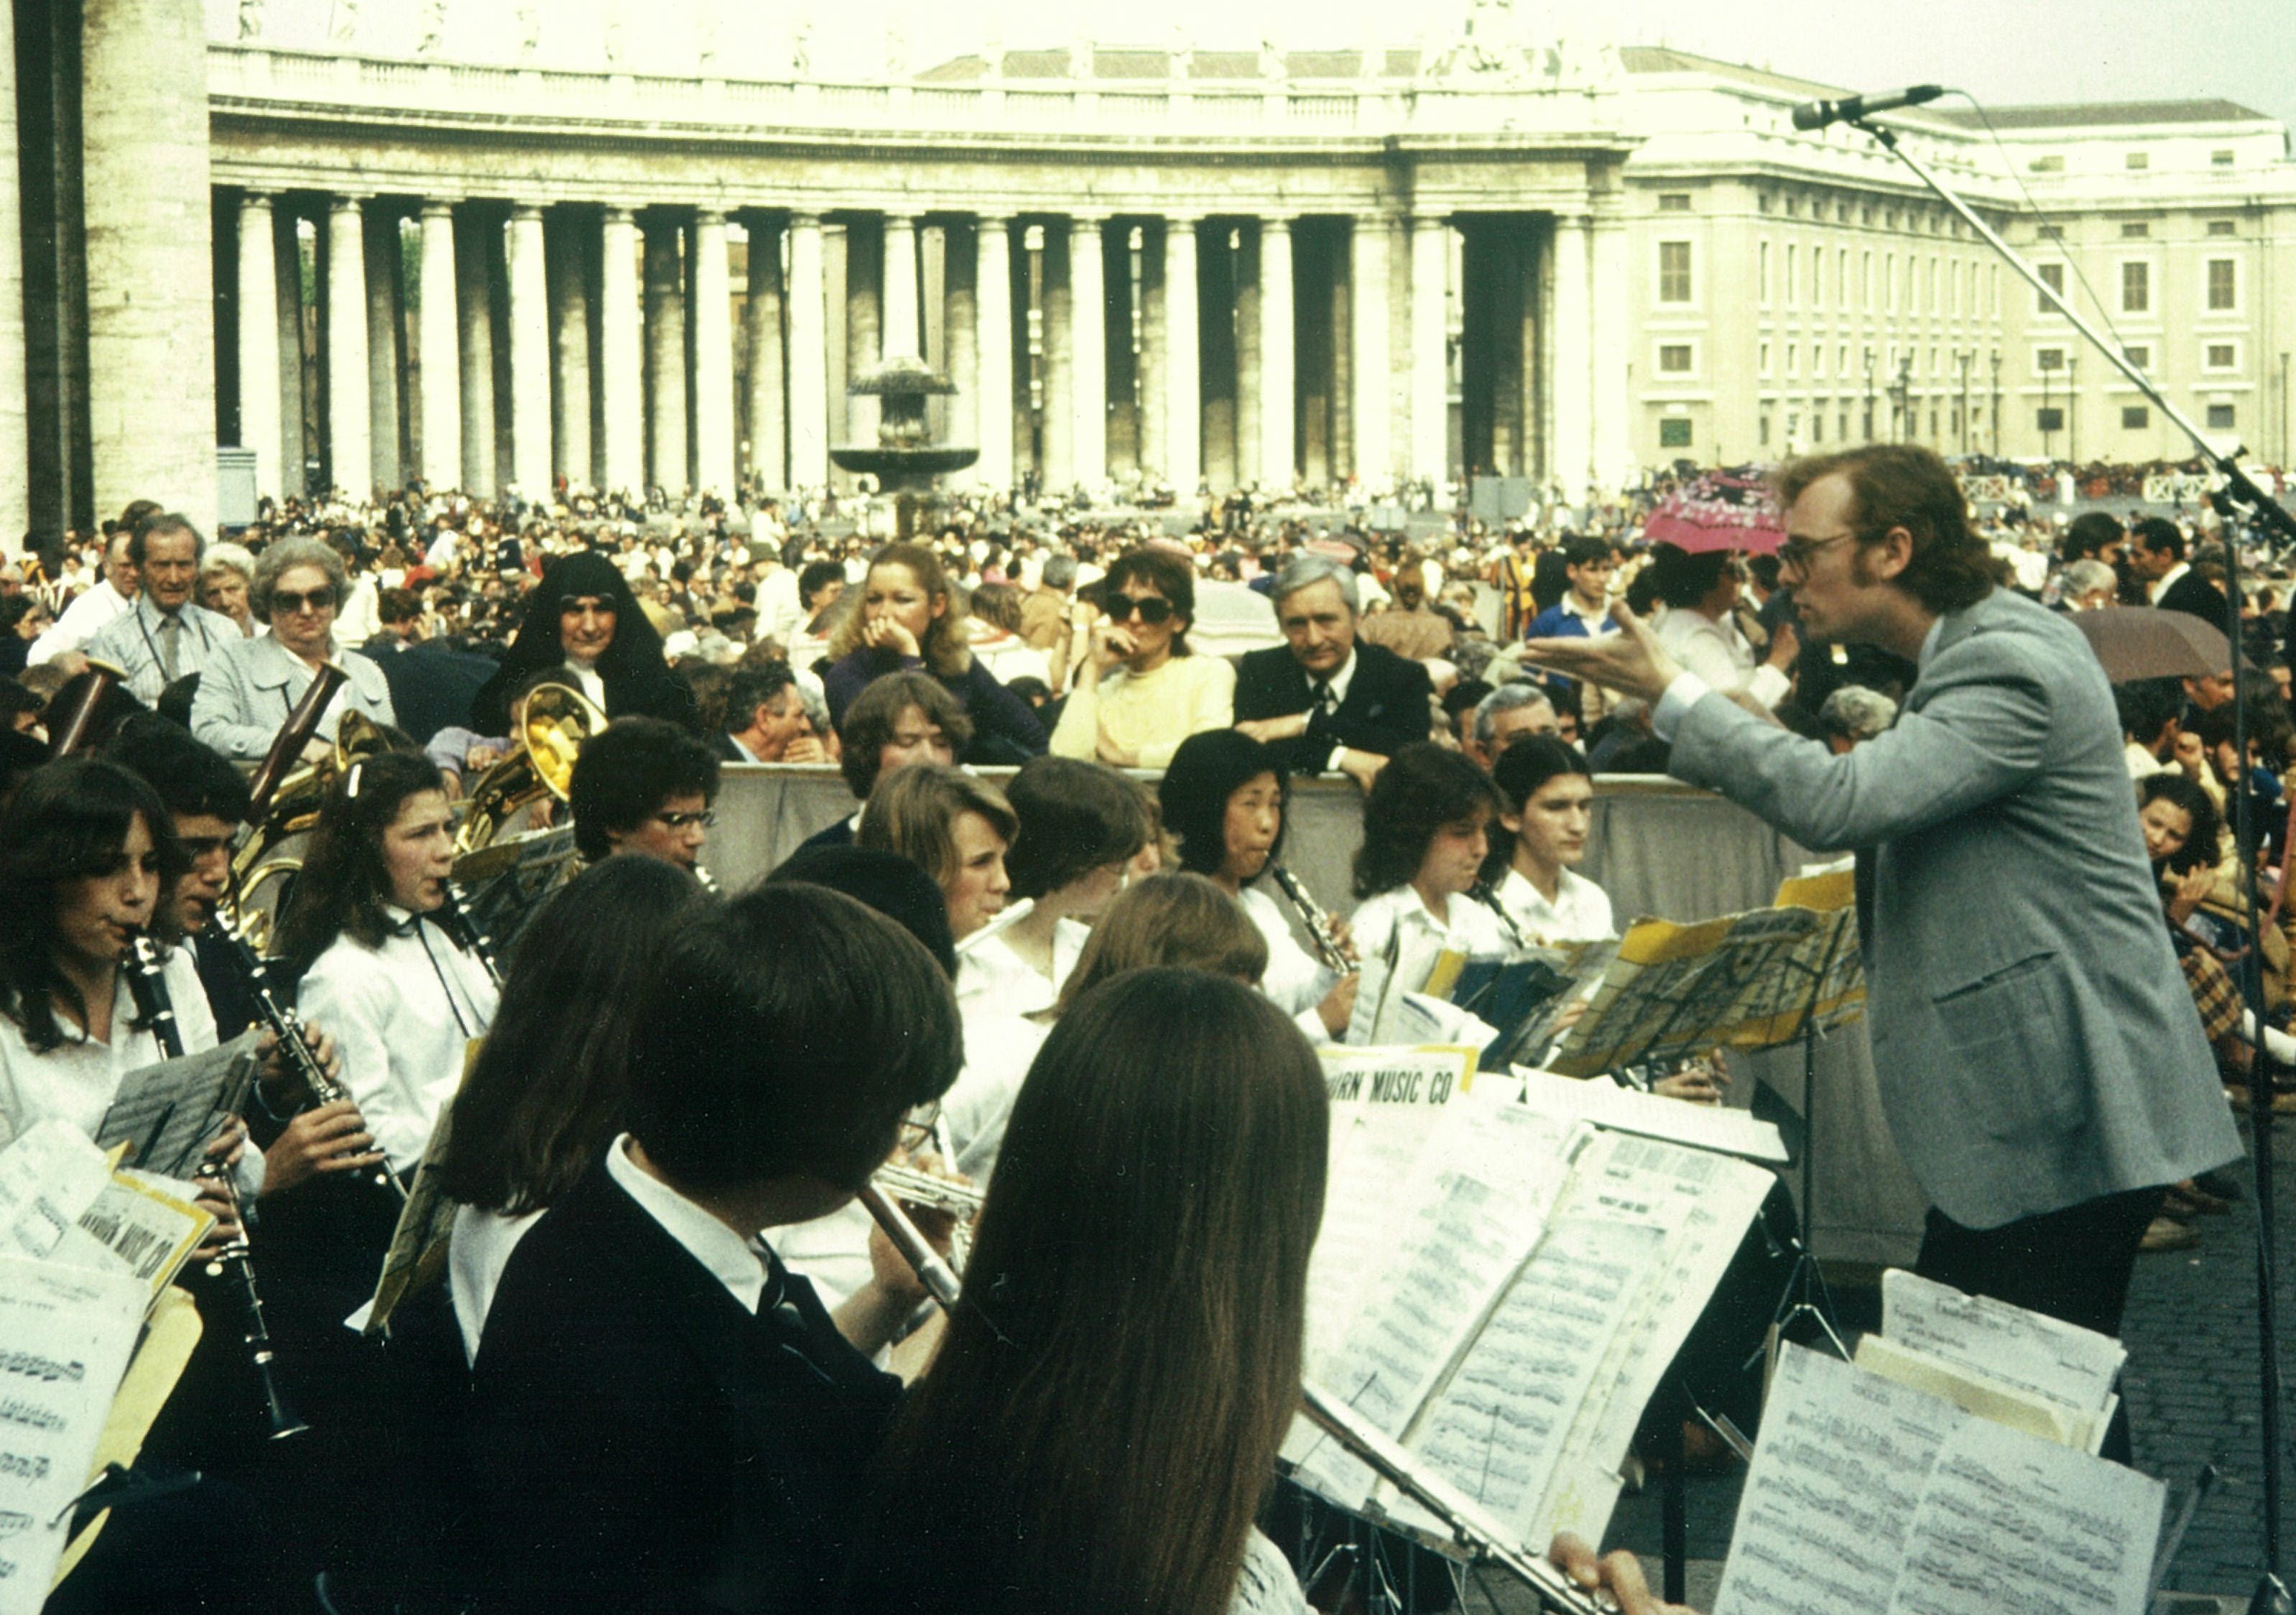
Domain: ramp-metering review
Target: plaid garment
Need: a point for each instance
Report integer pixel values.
(2218, 1000)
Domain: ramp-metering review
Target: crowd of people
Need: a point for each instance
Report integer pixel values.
(671, 1363)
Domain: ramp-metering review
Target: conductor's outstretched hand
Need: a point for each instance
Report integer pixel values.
(1630, 661)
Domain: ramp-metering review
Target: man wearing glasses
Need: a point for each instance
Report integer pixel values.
(2039, 1063)
(644, 785)
(1321, 701)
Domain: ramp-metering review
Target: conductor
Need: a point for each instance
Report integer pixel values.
(2040, 1064)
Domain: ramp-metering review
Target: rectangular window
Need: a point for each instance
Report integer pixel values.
(1890, 280)
(1817, 428)
(1865, 281)
(1765, 358)
(2138, 159)
(2220, 158)
(1674, 272)
(1764, 257)
(1763, 434)
(2135, 417)
(2053, 276)
(2139, 353)
(2051, 419)
(2048, 358)
(2221, 357)
(1793, 359)
(1792, 257)
(1674, 201)
(2223, 226)
(2047, 165)
(1674, 359)
(2136, 230)
(1674, 432)
(2220, 417)
(2224, 284)
(2135, 288)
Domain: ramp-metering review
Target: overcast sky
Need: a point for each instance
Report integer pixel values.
(2004, 51)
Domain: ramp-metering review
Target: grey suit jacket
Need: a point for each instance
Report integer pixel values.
(247, 693)
(2035, 1041)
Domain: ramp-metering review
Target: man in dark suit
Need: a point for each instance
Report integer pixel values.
(431, 685)
(2157, 551)
(2040, 1065)
(1324, 702)
(662, 1416)
(766, 720)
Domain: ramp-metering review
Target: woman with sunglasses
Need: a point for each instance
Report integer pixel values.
(248, 690)
(582, 623)
(1145, 693)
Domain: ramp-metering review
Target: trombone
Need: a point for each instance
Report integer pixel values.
(552, 722)
(292, 810)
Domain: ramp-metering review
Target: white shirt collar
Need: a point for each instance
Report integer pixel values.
(2167, 581)
(731, 1260)
(1341, 680)
(743, 749)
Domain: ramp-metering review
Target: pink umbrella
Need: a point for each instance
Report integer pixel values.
(1723, 509)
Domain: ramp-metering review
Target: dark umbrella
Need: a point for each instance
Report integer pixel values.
(2144, 642)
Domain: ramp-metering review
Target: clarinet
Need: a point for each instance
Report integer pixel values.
(1485, 893)
(288, 1030)
(150, 990)
(1328, 949)
(454, 917)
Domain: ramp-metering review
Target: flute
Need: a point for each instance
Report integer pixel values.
(940, 1280)
(149, 988)
(1329, 948)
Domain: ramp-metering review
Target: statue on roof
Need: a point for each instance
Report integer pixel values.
(343, 23)
(529, 30)
(801, 49)
(896, 51)
(431, 32)
(250, 18)
(1271, 59)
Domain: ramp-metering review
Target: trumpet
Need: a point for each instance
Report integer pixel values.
(1334, 953)
(907, 1183)
(149, 988)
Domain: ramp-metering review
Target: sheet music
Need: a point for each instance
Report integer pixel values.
(2058, 1362)
(166, 1113)
(1373, 1188)
(2014, 1523)
(1830, 1500)
(65, 1335)
(1606, 1104)
(148, 1225)
(1496, 1431)
(48, 1177)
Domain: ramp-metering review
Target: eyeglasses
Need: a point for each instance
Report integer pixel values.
(1799, 553)
(917, 1126)
(290, 602)
(687, 821)
(1152, 610)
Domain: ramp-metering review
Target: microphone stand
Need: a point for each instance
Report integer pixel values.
(2239, 496)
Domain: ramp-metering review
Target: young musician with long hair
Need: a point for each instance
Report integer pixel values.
(1427, 824)
(955, 828)
(1177, 921)
(550, 1085)
(1225, 798)
(401, 995)
(1078, 827)
(1550, 792)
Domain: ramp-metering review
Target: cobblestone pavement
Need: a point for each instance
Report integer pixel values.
(2191, 1388)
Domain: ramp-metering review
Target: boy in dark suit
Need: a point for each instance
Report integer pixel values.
(662, 1416)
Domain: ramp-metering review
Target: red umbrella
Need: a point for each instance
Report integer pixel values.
(1732, 509)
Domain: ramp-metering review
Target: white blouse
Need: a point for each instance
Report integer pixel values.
(1295, 981)
(1580, 912)
(1399, 943)
(402, 1016)
(76, 1081)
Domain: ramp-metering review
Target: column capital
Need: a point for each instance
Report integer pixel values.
(621, 212)
(801, 218)
(1083, 218)
(1276, 221)
(1429, 221)
(256, 199)
(991, 221)
(437, 207)
(526, 209)
(703, 216)
(349, 201)
(1571, 218)
(1184, 221)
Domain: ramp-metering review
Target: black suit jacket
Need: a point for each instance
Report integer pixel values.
(2196, 596)
(1386, 707)
(640, 1442)
(432, 686)
(722, 743)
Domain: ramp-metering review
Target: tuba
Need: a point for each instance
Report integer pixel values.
(553, 720)
(293, 810)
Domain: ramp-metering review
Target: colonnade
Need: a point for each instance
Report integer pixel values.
(492, 345)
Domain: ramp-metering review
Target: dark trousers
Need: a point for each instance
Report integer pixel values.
(2073, 1264)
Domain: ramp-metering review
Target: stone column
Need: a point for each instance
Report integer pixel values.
(865, 286)
(474, 301)
(1430, 427)
(1574, 358)
(529, 354)
(383, 327)
(567, 247)
(1278, 372)
(1184, 436)
(1613, 451)
(900, 289)
(350, 459)
(259, 343)
(436, 349)
(1368, 358)
(665, 327)
(1088, 320)
(287, 284)
(713, 357)
(1248, 440)
(960, 323)
(1155, 358)
(151, 272)
(621, 374)
(1058, 322)
(761, 321)
(993, 309)
(808, 356)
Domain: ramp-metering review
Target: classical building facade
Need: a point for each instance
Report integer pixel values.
(1499, 255)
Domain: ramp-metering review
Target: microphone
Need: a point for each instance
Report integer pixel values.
(1817, 114)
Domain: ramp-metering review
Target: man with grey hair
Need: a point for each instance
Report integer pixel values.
(1852, 714)
(1322, 702)
(162, 637)
(1505, 716)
